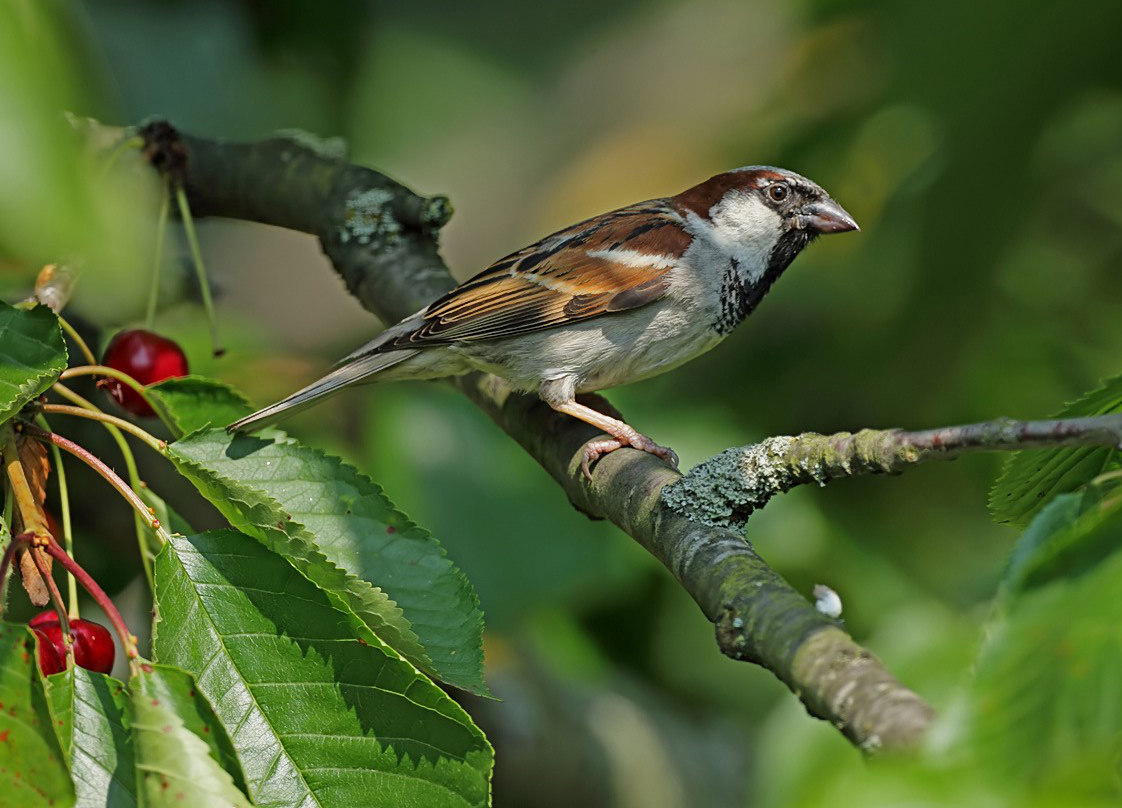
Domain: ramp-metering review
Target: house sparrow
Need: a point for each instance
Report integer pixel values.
(620, 297)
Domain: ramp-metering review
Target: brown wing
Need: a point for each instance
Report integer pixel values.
(611, 263)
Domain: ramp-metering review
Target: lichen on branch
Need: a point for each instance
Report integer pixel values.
(724, 490)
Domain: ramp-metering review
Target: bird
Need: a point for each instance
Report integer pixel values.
(614, 299)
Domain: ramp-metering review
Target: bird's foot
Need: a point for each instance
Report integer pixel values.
(595, 449)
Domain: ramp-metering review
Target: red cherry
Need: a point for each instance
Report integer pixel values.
(50, 660)
(93, 646)
(148, 358)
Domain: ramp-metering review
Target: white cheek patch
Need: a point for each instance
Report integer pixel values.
(744, 227)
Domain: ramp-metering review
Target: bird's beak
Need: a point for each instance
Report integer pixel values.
(826, 216)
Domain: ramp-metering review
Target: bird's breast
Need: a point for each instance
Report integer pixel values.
(602, 352)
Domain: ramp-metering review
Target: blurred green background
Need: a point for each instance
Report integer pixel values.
(979, 146)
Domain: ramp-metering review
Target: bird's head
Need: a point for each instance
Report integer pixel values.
(767, 214)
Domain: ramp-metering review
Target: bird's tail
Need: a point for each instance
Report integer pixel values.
(351, 371)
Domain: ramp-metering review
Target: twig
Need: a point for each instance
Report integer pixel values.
(724, 490)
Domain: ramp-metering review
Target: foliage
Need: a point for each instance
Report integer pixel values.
(31, 356)
(1031, 479)
(283, 672)
(986, 178)
(1037, 720)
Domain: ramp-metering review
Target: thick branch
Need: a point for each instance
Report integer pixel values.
(725, 490)
(381, 239)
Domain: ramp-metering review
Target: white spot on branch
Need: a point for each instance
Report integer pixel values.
(827, 601)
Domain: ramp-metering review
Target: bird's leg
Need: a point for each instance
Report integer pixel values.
(622, 435)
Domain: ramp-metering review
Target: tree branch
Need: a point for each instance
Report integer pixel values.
(381, 239)
(725, 490)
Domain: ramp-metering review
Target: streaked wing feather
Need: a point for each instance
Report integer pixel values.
(592, 268)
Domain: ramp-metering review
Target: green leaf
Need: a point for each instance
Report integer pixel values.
(316, 715)
(193, 402)
(177, 690)
(90, 712)
(276, 484)
(1045, 700)
(1031, 478)
(1070, 534)
(32, 767)
(174, 765)
(254, 514)
(32, 355)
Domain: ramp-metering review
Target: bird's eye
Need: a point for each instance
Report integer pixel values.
(778, 192)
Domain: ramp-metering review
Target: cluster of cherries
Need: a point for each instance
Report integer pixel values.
(148, 358)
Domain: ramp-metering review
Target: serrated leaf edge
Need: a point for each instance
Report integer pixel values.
(299, 545)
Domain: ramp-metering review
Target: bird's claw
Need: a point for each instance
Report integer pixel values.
(594, 450)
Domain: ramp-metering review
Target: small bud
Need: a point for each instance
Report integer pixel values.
(54, 285)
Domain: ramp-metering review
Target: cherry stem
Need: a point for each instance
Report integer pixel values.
(97, 415)
(157, 262)
(130, 467)
(83, 346)
(128, 641)
(6, 562)
(67, 535)
(106, 473)
(200, 268)
(113, 373)
(134, 142)
(56, 597)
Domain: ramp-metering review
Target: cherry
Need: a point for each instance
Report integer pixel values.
(148, 358)
(93, 646)
(50, 660)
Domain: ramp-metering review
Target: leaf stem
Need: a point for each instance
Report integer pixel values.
(106, 473)
(157, 261)
(5, 563)
(134, 142)
(83, 346)
(6, 519)
(130, 468)
(128, 640)
(97, 415)
(67, 534)
(113, 373)
(200, 268)
(56, 598)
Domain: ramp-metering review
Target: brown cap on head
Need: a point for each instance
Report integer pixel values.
(703, 196)
(818, 213)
